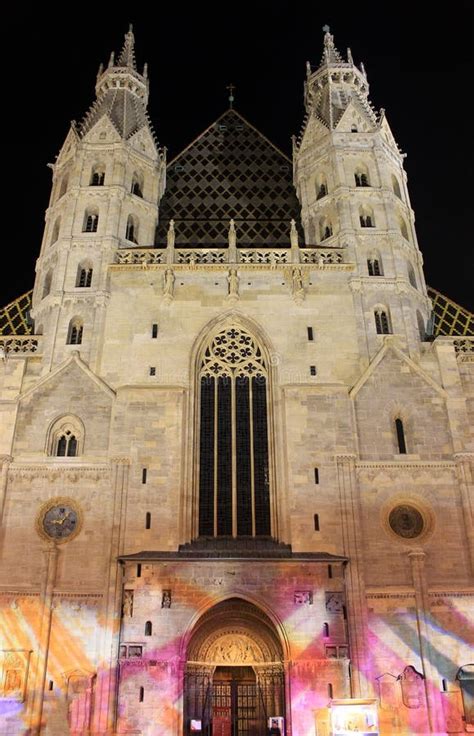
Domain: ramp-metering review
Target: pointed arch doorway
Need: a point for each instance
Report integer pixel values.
(234, 673)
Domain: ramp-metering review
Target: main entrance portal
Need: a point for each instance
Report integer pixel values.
(234, 675)
(234, 701)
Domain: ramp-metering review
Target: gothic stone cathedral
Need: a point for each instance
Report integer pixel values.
(237, 454)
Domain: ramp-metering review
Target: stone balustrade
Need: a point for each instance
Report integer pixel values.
(194, 256)
(20, 345)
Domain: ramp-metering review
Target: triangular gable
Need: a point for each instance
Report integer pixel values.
(388, 346)
(103, 131)
(387, 132)
(76, 359)
(355, 113)
(142, 141)
(68, 148)
(230, 171)
(314, 131)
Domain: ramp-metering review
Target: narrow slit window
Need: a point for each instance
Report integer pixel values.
(139, 570)
(51, 685)
(330, 690)
(402, 448)
(326, 629)
(144, 475)
(141, 694)
(154, 331)
(316, 522)
(316, 476)
(312, 370)
(329, 571)
(148, 628)
(310, 334)
(148, 520)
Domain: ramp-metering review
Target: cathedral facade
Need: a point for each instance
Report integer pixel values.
(236, 454)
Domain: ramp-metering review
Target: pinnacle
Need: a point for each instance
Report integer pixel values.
(127, 55)
(330, 54)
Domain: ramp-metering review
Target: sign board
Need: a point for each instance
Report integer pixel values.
(349, 717)
(276, 722)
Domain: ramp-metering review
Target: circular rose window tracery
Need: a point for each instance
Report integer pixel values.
(406, 521)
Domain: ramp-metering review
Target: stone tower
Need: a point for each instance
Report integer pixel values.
(353, 191)
(107, 183)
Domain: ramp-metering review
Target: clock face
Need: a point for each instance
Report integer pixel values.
(59, 520)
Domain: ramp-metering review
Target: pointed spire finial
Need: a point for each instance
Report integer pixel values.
(127, 55)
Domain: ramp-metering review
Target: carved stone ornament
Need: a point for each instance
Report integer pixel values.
(166, 599)
(412, 687)
(406, 521)
(59, 520)
(234, 649)
(304, 597)
(127, 604)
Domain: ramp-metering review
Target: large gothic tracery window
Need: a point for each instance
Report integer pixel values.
(234, 483)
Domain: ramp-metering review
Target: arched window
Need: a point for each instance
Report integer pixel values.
(321, 187)
(361, 177)
(366, 217)
(55, 233)
(382, 321)
(465, 677)
(137, 185)
(234, 471)
(421, 326)
(63, 187)
(374, 265)
(47, 283)
(66, 437)
(84, 274)
(403, 228)
(411, 275)
(74, 334)
(354, 128)
(97, 176)
(91, 221)
(325, 229)
(148, 628)
(131, 232)
(399, 429)
(396, 187)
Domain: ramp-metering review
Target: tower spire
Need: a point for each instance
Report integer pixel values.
(330, 54)
(127, 55)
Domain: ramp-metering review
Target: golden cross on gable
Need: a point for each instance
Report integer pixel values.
(231, 88)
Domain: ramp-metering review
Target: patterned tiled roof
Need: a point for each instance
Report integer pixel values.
(231, 171)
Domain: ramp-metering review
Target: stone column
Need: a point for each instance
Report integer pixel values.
(5, 461)
(433, 705)
(107, 676)
(362, 675)
(464, 470)
(46, 609)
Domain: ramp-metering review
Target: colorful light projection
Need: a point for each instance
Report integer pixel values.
(80, 676)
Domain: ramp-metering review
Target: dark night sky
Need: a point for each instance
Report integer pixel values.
(419, 66)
